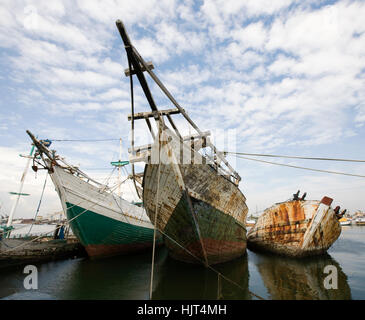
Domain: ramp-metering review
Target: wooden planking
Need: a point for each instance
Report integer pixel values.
(203, 183)
(283, 227)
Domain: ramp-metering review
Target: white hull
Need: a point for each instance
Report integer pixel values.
(75, 191)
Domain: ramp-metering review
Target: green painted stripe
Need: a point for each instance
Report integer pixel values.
(93, 228)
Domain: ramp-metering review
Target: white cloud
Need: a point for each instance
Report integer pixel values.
(286, 75)
(253, 36)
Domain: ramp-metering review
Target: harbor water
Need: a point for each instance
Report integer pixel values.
(266, 275)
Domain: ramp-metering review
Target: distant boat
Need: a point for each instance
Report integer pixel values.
(345, 222)
(104, 223)
(296, 228)
(360, 221)
(250, 223)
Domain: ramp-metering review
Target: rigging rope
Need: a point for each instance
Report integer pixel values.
(290, 157)
(156, 207)
(39, 204)
(154, 243)
(132, 124)
(210, 267)
(82, 140)
(44, 234)
(304, 168)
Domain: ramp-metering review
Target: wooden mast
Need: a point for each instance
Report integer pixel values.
(139, 66)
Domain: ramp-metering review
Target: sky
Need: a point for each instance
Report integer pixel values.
(280, 77)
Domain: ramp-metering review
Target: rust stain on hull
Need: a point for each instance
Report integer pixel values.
(281, 229)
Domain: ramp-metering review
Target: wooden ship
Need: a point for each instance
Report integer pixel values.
(297, 227)
(104, 222)
(191, 197)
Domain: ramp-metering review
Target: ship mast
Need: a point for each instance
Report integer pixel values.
(137, 66)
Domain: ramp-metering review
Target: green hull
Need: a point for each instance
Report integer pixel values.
(104, 236)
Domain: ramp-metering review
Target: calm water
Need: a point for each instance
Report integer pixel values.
(268, 276)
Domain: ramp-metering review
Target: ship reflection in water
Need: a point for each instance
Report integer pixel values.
(178, 280)
(267, 275)
(302, 279)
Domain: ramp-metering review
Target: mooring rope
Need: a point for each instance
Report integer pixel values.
(304, 168)
(82, 140)
(156, 209)
(211, 268)
(68, 222)
(290, 157)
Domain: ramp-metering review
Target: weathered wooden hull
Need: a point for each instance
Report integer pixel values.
(295, 228)
(202, 214)
(105, 224)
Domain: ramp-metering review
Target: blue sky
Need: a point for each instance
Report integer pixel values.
(285, 76)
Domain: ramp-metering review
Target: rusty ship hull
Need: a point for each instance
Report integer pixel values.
(201, 213)
(296, 228)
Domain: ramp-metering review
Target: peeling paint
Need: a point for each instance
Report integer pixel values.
(283, 227)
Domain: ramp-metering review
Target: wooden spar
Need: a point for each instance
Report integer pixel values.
(132, 125)
(168, 94)
(186, 138)
(136, 66)
(40, 146)
(44, 150)
(143, 115)
(132, 61)
(182, 111)
(128, 73)
(137, 61)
